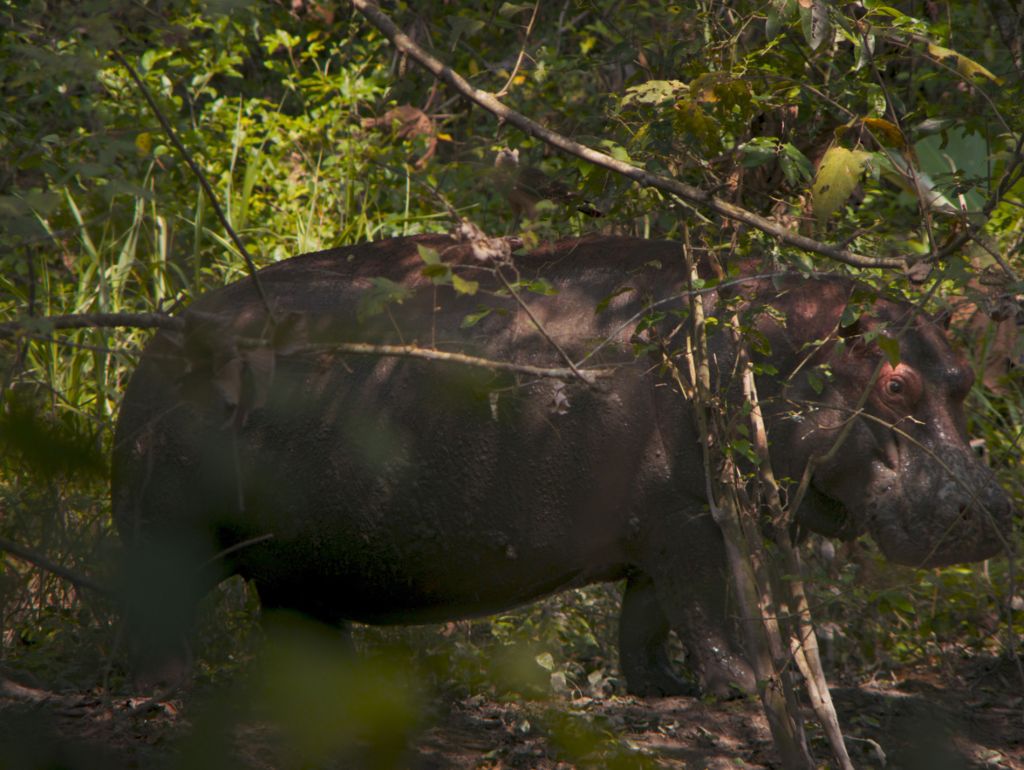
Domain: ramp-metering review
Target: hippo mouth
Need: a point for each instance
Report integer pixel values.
(826, 516)
(937, 520)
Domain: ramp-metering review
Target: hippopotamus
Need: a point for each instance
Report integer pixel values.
(513, 429)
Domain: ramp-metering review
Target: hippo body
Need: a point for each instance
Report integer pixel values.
(390, 489)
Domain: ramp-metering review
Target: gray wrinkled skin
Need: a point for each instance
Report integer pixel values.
(403, 491)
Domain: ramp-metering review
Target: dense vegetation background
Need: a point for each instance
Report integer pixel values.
(893, 130)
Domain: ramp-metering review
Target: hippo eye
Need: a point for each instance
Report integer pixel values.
(894, 387)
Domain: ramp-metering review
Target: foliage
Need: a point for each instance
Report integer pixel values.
(893, 129)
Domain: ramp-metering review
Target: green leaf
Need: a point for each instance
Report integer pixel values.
(540, 286)
(382, 293)
(463, 26)
(743, 447)
(778, 14)
(758, 151)
(838, 175)
(795, 165)
(815, 23)
(654, 92)
(428, 255)
(891, 347)
(474, 318)
(462, 286)
(435, 271)
(850, 315)
(692, 120)
(603, 304)
(511, 9)
(967, 67)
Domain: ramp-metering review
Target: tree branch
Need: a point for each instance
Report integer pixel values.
(177, 323)
(76, 578)
(36, 324)
(685, 191)
(412, 351)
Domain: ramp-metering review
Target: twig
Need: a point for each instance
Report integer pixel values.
(177, 323)
(235, 548)
(526, 309)
(761, 633)
(169, 130)
(76, 578)
(522, 51)
(803, 642)
(90, 321)
(412, 351)
(685, 191)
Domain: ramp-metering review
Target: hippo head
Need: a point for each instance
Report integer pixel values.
(904, 471)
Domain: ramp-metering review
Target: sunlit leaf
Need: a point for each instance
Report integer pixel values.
(891, 347)
(428, 255)
(967, 67)
(838, 175)
(886, 132)
(654, 92)
(463, 286)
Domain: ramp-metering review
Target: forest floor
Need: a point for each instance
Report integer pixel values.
(963, 713)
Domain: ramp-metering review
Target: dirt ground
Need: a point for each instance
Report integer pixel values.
(969, 714)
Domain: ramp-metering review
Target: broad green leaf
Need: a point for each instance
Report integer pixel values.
(758, 151)
(779, 13)
(604, 303)
(540, 286)
(886, 132)
(865, 50)
(815, 22)
(511, 9)
(463, 286)
(435, 271)
(654, 92)
(891, 347)
(474, 318)
(838, 175)
(428, 255)
(969, 68)
(691, 120)
(382, 293)
(795, 165)
(144, 142)
(464, 26)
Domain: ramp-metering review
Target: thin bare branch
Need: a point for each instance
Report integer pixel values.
(588, 376)
(76, 578)
(235, 549)
(537, 323)
(685, 191)
(522, 51)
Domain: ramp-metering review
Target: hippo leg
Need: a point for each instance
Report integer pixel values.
(693, 592)
(643, 629)
(159, 612)
(275, 603)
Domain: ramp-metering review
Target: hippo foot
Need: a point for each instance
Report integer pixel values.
(728, 679)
